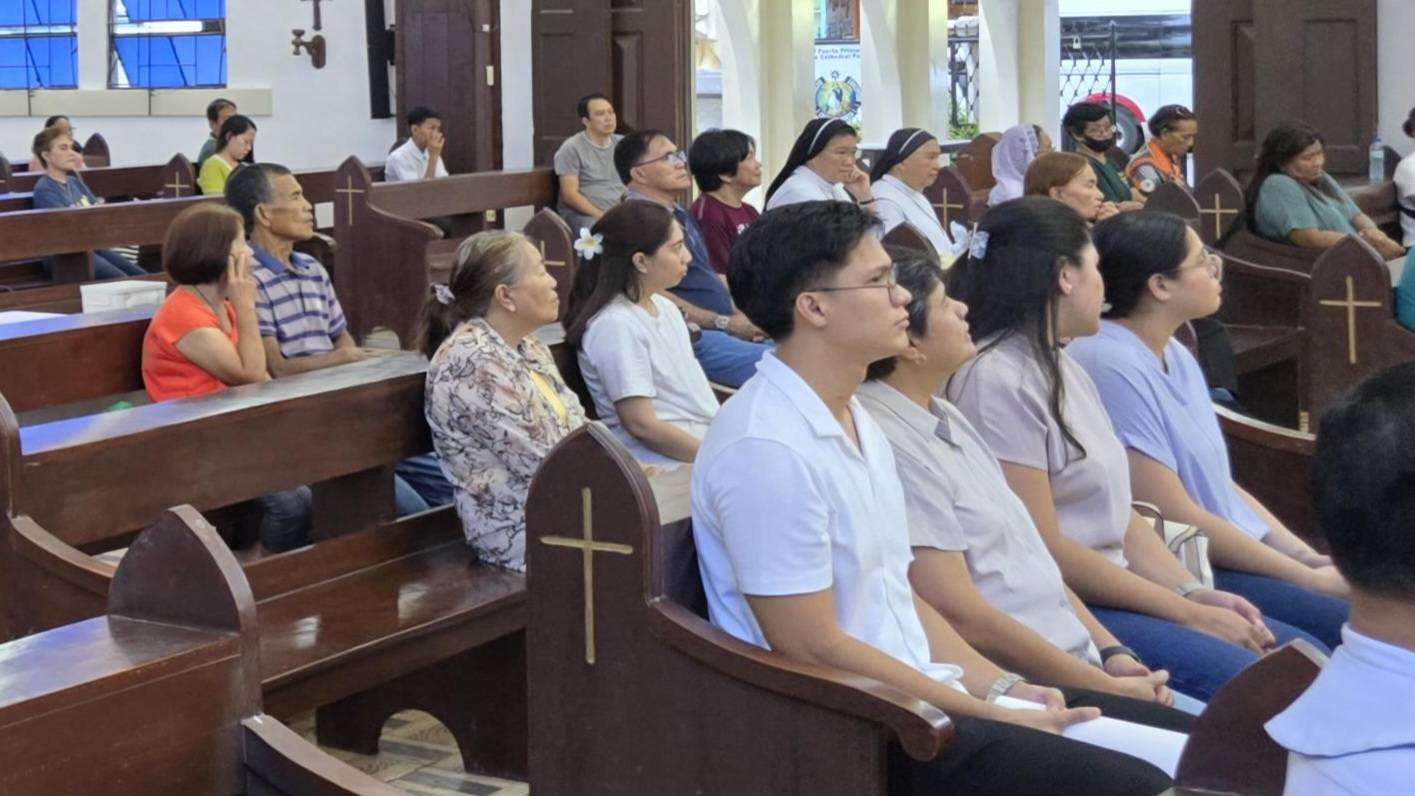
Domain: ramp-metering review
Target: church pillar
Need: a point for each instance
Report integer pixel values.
(767, 49)
(904, 53)
(1019, 64)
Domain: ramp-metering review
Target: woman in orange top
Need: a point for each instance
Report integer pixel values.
(204, 336)
(1173, 129)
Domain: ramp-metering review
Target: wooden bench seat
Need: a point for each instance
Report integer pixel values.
(160, 695)
(378, 615)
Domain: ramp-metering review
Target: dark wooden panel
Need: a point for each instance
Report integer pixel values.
(652, 65)
(1224, 84)
(570, 54)
(445, 48)
(42, 362)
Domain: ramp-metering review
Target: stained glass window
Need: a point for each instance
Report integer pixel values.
(167, 44)
(38, 44)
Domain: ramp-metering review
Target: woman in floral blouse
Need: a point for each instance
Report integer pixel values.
(495, 402)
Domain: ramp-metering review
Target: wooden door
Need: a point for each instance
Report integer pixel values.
(1258, 63)
(449, 59)
(652, 42)
(570, 41)
(1316, 61)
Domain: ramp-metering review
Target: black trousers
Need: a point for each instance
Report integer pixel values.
(992, 757)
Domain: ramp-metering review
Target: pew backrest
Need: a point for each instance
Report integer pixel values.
(54, 361)
(954, 199)
(975, 161)
(1175, 198)
(908, 236)
(548, 231)
(1222, 207)
(173, 179)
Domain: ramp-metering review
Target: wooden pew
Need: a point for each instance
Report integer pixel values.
(1224, 226)
(1228, 750)
(173, 179)
(161, 695)
(377, 616)
(636, 692)
(389, 256)
(974, 161)
(908, 236)
(72, 359)
(1274, 464)
(954, 199)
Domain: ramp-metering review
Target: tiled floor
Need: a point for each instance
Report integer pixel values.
(417, 754)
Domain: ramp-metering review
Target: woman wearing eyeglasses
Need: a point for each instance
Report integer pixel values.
(822, 166)
(1158, 276)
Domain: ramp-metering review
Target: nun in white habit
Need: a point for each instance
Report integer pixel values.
(821, 166)
(1014, 152)
(908, 165)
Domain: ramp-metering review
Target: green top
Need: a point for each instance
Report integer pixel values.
(1284, 204)
(1111, 180)
(212, 177)
(207, 150)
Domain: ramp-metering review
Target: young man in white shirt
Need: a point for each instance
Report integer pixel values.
(1353, 730)
(802, 537)
(420, 157)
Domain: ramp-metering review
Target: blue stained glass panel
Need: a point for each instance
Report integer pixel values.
(147, 10)
(38, 44)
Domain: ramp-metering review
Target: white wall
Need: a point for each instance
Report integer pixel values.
(1395, 70)
(319, 116)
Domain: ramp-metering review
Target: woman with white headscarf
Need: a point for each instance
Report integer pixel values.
(908, 165)
(1017, 148)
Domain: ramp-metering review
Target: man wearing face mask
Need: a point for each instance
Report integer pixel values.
(1090, 125)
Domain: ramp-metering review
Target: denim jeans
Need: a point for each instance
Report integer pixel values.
(424, 477)
(110, 264)
(1318, 614)
(285, 515)
(1197, 662)
(727, 360)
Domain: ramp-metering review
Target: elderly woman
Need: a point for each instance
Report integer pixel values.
(1293, 200)
(1069, 179)
(1173, 129)
(1014, 152)
(821, 165)
(908, 165)
(61, 186)
(234, 145)
(496, 403)
(66, 127)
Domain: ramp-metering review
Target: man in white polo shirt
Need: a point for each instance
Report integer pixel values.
(800, 526)
(420, 157)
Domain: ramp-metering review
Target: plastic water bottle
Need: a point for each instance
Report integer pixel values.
(1377, 171)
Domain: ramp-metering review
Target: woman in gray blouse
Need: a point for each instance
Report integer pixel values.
(1031, 279)
(978, 559)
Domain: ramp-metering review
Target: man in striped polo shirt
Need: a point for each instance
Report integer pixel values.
(300, 320)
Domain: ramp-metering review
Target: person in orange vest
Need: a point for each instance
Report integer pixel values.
(1173, 129)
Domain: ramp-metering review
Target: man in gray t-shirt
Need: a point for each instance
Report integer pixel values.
(584, 164)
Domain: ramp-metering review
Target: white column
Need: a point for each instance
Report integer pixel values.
(1019, 63)
(883, 102)
(93, 44)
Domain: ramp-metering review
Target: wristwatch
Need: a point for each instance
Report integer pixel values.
(721, 323)
(1001, 685)
(1118, 649)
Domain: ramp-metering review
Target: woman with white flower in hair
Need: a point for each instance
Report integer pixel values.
(496, 403)
(633, 346)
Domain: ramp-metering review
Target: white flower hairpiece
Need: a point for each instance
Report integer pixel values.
(443, 294)
(589, 245)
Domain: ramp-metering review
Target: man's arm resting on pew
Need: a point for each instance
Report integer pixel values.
(570, 195)
(803, 627)
(737, 323)
(345, 350)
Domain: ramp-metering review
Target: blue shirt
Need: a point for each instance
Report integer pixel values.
(700, 286)
(295, 304)
(74, 192)
(1405, 293)
(1284, 204)
(1166, 414)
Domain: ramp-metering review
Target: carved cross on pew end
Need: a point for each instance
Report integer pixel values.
(1218, 211)
(1350, 305)
(549, 263)
(588, 547)
(945, 207)
(176, 186)
(349, 190)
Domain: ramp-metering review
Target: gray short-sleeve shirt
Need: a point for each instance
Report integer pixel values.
(594, 165)
(1003, 392)
(957, 500)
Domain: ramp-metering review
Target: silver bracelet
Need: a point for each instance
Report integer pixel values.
(1186, 589)
(1001, 684)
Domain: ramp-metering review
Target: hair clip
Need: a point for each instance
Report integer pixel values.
(443, 294)
(589, 245)
(978, 244)
(973, 242)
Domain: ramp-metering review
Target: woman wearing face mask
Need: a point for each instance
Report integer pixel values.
(821, 166)
(1293, 200)
(1173, 129)
(1091, 126)
(235, 145)
(908, 165)
(1069, 179)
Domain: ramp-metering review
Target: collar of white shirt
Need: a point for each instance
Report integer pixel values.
(1363, 700)
(781, 376)
(926, 422)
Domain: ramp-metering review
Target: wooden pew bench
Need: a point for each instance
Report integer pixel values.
(77, 364)
(636, 692)
(171, 180)
(389, 255)
(160, 695)
(377, 616)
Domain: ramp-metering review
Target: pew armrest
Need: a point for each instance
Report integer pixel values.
(278, 756)
(60, 559)
(922, 729)
(1238, 265)
(1266, 435)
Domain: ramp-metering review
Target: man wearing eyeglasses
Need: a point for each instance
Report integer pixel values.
(654, 170)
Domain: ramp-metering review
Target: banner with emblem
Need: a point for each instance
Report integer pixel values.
(838, 79)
